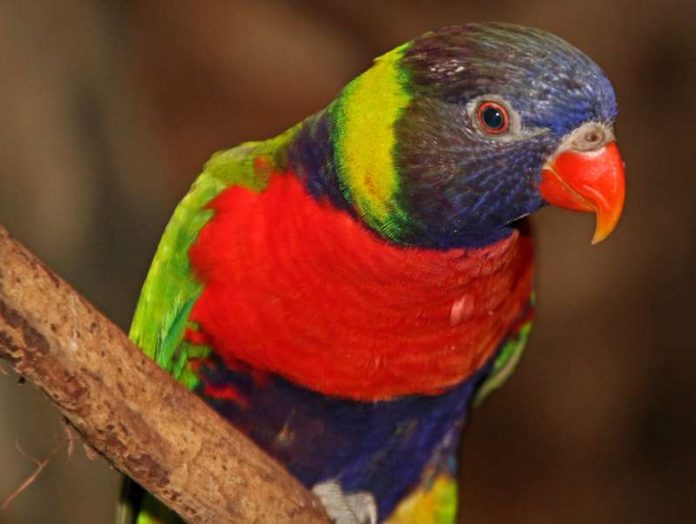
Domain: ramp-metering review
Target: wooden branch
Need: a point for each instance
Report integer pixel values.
(132, 412)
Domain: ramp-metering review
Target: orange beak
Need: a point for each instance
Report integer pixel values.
(588, 181)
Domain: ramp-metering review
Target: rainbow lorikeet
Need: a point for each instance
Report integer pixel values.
(343, 293)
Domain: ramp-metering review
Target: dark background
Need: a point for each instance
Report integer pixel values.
(108, 110)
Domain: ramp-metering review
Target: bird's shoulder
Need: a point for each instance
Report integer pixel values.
(171, 288)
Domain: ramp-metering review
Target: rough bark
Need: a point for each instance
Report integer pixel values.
(132, 412)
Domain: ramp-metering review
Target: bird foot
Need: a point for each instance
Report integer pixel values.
(356, 508)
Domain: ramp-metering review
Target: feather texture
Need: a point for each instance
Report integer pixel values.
(343, 293)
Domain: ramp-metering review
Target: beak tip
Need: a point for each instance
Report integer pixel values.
(596, 239)
(605, 227)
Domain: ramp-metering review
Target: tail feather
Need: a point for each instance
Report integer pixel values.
(137, 506)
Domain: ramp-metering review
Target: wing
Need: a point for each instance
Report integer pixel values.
(171, 289)
(508, 355)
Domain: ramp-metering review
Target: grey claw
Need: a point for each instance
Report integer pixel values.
(356, 508)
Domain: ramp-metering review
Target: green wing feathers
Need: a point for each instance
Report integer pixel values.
(508, 356)
(171, 290)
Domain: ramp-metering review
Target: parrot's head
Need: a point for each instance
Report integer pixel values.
(449, 139)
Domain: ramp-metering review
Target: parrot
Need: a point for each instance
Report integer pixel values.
(347, 292)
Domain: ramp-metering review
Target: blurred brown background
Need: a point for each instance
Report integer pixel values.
(108, 109)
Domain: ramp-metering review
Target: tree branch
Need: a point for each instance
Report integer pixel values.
(131, 411)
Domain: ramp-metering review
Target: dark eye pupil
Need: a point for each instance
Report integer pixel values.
(493, 118)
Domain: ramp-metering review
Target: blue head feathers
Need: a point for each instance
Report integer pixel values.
(477, 111)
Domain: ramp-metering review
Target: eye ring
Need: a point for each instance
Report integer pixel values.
(492, 118)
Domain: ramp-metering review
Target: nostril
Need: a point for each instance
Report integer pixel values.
(593, 136)
(590, 137)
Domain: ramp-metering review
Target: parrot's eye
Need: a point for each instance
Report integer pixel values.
(492, 118)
